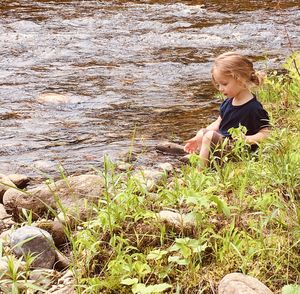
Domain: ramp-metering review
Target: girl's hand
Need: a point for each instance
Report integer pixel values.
(192, 145)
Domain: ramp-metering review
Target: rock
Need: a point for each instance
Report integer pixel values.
(170, 148)
(64, 284)
(39, 243)
(150, 178)
(175, 219)
(167, 167)
(62, 262)
(124, 166)
(44, 277)
(19, 180)
(5, 268)
(71, 193)
(53, 98)
(55, 229)
(237, 283)
(5, 184)
(3, 265)
(6, 220)
(128, 156)
(64, 290)
(3, 213)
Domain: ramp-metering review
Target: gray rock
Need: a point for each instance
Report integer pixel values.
(39, 243)
(69, 192)
(237, 283)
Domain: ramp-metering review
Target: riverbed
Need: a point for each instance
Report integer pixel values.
(135, 73)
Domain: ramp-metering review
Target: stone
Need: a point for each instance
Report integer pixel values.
(175, 219)
(237, 283)
(65, 284)
(61, 262)
(6, 220)
(35, 241)
(5, 184)
(69, 193)
(149, 178)
(55, 229)
(124, 166)
(165, 166)
(44, 277)
(3, 213)
(19, 180)
(170, 148)
(53, 98)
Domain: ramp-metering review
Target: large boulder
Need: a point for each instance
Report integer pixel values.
(34, 241)
(69, 193)
(237, 283)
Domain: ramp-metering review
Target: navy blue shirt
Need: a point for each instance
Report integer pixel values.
(251, 115)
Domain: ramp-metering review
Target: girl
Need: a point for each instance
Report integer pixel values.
(233, 75)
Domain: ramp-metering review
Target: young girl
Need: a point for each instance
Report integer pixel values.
(233, 75)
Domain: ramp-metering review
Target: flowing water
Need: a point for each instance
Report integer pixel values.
(135, 73)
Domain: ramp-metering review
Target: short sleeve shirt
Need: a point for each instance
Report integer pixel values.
(252, 115)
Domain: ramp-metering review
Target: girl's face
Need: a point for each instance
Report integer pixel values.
(228, 85)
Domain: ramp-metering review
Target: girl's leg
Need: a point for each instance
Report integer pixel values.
(209, 137)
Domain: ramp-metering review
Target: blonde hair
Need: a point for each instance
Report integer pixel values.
(239, 67)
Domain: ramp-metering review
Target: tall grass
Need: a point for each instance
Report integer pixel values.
(245, 207)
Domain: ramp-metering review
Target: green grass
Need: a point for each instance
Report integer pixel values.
(246, 209)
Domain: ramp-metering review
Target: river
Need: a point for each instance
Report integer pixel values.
(135, 73)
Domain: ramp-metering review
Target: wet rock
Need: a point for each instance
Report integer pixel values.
(170, 148)
(55, 229)
(237, 283)
(71, 193)
(19, 180)
(53, 98)
(150, 178)
(5, 184)
(176, 220)
(39, 243)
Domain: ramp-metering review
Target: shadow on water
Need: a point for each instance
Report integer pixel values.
(134, 72)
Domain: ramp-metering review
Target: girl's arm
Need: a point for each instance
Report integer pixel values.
(214, 126)
(256, 138)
